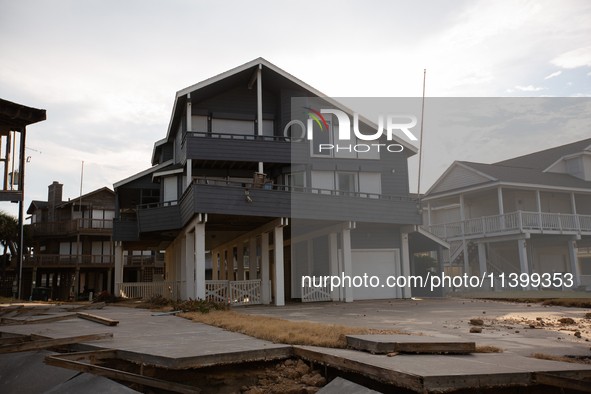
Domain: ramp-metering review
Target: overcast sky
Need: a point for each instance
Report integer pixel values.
(107, 71)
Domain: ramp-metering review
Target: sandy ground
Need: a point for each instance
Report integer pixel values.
(519, 328)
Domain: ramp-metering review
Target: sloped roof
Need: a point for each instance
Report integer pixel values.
(181, 96)
(543, 159)
(534, 176)
(36, 204)
(75, 199)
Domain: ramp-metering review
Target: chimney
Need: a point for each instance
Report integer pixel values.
(54, 197)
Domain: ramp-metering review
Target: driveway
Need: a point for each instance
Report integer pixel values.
(506, 325)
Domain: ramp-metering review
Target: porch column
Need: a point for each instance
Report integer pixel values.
(252, 257)
(199, 242)
(240, 260)
(34, 279)
(109, 288)
(521, 248)
(501, 209)
(405, 257)
(440, 267)
(118, 268)
(260, 107)
(466, 257)
(266, 297)
(214, 265)
(278, 260)
(333, 263)
(347, 262)
(482, 264)
(574, 264)
(429, 214)
(183, 256)
(189, 241)
(223, 264)
(76, 283)
(539, 208)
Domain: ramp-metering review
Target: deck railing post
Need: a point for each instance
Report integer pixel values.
(559, 223)
(483, 227)
(520, 221)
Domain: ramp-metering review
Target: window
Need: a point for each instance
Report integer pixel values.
(150, 196)
(346, 183)
(297, 179)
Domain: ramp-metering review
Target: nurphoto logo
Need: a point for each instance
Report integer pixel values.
(344, 130)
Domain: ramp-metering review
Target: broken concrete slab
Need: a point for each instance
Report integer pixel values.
(343, 386)
(425, 373)
(164, 341)
(26, 373)
(384, 344)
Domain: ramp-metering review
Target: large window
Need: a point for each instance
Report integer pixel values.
(297, 179)
(346, 183)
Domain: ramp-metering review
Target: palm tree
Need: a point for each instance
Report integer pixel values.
(8, 232)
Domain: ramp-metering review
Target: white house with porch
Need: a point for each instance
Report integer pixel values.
(529, 214)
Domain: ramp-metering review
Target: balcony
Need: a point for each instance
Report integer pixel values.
(88, 261)
(80, 225)
(270, 200)
(514, 223)
(242, 147)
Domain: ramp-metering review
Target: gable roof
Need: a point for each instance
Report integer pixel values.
(140, 174)
(545, 158)
(36, 204)
(181, 95)
(75, 199)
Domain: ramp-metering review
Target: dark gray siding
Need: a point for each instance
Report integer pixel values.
(159, 219)
(206, 148)
(273, 203)
(375, 236)
(187, 206)
(239, 100)
(125, 230)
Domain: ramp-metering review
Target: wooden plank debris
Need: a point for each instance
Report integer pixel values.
(97, 319)
(51, 319)
(58, 361)
(388, 344)
(37, 344)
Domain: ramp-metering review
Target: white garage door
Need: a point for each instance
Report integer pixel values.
(380, 263)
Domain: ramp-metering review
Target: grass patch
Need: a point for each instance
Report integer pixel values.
(278, 330)
(488, 349)
(566, 359)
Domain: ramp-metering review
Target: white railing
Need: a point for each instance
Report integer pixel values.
(240, 292)
(216, 291)
(511, 222)
(147, 290)
(245, 292)
(313, 294)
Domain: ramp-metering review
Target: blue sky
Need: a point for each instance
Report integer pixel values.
(107, 71)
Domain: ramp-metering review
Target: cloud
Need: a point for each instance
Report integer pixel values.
(530, 88)
(510, 90)
(557, 73)
(573, 59)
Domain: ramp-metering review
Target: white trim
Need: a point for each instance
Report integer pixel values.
(509, 184)
(567, 157)
(262, 62)
(451, 168)
(157, 144)
(141, 174)
(169, 172)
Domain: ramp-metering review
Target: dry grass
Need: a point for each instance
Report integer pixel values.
(575, 360)
(488, 349)
(569, 302)
(278, 330)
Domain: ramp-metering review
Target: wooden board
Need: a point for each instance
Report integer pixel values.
(9, 322)
(385, 344)
(97, 319)
(57, 361)
(36, 344)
